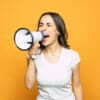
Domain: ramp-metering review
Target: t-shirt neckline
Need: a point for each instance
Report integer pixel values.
(53, 63)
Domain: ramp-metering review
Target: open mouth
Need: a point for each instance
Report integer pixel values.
(46, 36)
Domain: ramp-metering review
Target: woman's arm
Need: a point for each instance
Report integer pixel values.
(77, 88)
(30, 76)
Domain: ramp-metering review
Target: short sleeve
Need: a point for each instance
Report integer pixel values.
(75, 58)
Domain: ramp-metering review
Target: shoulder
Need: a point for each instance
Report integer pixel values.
(71, 52)
(72, 55)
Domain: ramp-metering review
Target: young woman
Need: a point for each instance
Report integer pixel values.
(56, 66)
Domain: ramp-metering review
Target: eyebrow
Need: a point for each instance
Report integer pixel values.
(48, 23)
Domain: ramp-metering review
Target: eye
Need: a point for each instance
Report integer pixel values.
(41, 24)
(49, 25)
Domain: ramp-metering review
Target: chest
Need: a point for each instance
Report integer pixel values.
(54, 74)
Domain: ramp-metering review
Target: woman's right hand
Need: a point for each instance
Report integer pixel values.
(34, 50)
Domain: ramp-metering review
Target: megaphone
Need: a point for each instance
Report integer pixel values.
(25, 39)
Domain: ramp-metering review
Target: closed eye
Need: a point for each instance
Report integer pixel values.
(41, 24)
(47, 24)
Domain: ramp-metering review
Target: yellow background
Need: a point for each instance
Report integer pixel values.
(82, 18)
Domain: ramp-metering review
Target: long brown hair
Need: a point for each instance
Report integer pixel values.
(61, 27)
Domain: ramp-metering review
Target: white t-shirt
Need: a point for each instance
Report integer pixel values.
(54, 79)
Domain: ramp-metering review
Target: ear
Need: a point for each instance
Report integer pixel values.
(58, 33)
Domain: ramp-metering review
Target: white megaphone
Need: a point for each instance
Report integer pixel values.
(24, 39)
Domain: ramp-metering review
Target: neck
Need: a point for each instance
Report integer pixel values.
(53, 49)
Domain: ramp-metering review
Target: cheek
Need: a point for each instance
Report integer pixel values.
(53, 37)
(55, 34)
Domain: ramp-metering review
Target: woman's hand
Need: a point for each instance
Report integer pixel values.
(34, 50)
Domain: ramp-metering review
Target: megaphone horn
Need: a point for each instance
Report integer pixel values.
(24, 39)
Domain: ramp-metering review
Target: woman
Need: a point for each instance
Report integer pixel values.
(56, 66)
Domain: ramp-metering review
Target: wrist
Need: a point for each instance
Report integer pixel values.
(34, 55)
(31, 56)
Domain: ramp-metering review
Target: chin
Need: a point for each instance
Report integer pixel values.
(45, 44)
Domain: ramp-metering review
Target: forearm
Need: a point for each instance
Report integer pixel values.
(78, 92)
(30, 75)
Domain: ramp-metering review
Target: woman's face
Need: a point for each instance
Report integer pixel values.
(48, 27)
